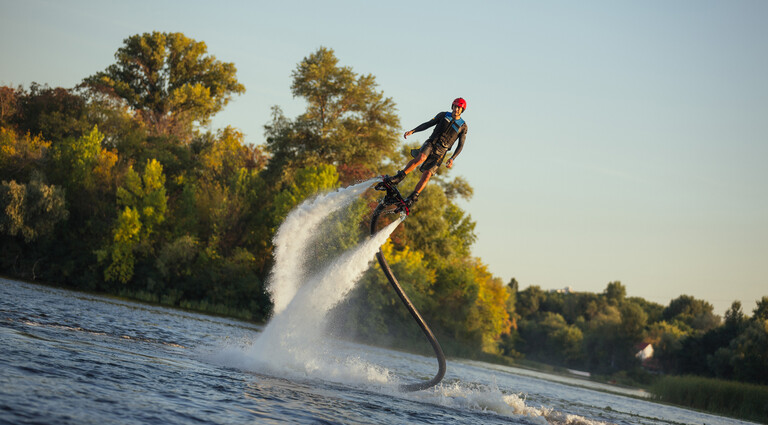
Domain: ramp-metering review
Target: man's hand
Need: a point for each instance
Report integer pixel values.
(449, 164)
(407, 133)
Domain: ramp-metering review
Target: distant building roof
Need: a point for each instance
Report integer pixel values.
(645, 351)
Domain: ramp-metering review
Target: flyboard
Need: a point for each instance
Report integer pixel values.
(393, 202)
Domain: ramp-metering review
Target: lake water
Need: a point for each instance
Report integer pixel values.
(73, 358)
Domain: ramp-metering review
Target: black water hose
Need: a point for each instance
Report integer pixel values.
(415, 313)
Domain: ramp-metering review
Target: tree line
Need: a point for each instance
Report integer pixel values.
(119, 186)
(603, 333)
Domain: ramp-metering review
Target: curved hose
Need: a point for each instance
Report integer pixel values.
(416, 316)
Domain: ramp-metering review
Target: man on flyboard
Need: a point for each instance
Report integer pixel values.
(449, 126)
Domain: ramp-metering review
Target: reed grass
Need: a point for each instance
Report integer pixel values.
(729, 398)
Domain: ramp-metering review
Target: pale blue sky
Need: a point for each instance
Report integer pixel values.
(607, 140)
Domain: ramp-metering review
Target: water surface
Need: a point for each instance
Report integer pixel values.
(73, 358)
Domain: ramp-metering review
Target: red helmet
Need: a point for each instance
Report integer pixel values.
(460, 103)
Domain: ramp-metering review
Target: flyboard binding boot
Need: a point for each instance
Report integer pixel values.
(396, 179)
(411, 199)
(393, 196)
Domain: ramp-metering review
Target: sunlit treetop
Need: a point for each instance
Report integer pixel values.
(169, 80)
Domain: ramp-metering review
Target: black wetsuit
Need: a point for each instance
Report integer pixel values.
(447, 131)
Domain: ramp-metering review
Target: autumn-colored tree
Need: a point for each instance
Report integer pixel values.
(489, 313)
(469, 304)
(8, 104)
(20, 156)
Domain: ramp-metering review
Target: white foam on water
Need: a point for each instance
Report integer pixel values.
(459, 395)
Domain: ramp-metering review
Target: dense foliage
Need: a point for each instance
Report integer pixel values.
(117, 186)
(603, 333)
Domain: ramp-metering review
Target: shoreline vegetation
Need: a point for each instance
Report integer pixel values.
(728, 398)
(119, 186)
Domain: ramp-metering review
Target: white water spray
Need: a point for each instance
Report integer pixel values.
(293, 236)
(295, 340)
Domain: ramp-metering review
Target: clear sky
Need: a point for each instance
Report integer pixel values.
(608, 141)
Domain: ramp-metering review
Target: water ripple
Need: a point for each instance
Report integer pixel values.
(72, 358)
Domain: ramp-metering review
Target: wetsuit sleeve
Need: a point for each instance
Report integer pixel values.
(462, 137)
(427, 124)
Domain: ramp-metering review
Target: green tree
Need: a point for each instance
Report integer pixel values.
(470, 305)
(734, 317)
(761, 311)
(176, 259)
(125, 238)
(512, 289)
(529, 300)
(443, 231)
(550, 338)
(698, 314)
(147, 195)
(615, 293)
(347, 123)
(749, 353)
(457, 188)
(722, 340)
(374, 313)
(169, 80)
(652, 309)
(510, 340)
(581, 307)
(703, 339)
(30, 210)
(309, 181)
(256, 200)
(221, 196)
(633, 322)
(667, 343)
(145, 203)
(226, 154)
(53, 113)
(75, 159)
(605, 351)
